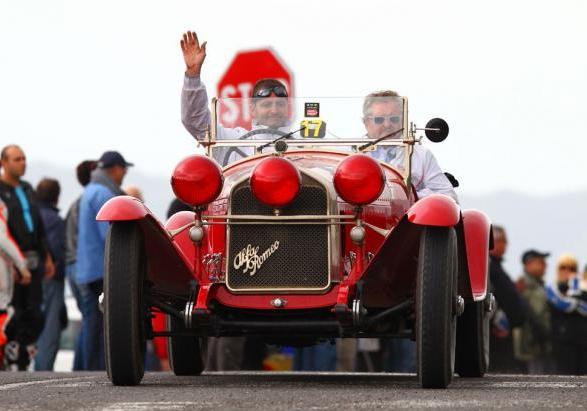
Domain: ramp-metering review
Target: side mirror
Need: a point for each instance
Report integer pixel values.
(436, 130)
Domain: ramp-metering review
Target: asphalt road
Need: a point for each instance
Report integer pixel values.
(286, 391)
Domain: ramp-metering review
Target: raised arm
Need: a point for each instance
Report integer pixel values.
(195, 115)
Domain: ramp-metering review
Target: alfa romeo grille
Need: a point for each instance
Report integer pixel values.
(286, 257)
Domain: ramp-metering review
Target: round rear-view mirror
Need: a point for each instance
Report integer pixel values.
(436, 130)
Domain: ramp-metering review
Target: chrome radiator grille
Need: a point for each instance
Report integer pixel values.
(263, 257)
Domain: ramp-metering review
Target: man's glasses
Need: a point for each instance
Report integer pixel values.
(381, 119)
(279, 91)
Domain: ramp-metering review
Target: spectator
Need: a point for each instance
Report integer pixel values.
(569, 319)
(105, 184)
(135, 192)
(532, 343)
(26, 227)
(83, 171)
(509, 313)
(10, 257)
(48, 191)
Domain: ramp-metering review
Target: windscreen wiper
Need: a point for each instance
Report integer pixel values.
(283, 137)
(372, 143)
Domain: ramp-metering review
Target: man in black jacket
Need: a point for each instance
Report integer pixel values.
(510, 311)
(26, 227)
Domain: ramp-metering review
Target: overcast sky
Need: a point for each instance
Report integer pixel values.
(510, 77)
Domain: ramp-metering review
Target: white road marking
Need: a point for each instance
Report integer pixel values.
(159, 405)
(537, 384)
(15, 385)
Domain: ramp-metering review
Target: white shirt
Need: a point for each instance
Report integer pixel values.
(427, 177)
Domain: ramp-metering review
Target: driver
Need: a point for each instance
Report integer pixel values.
(382, 115)
(269, 105)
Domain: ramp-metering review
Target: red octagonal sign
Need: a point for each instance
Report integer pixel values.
(237, 82)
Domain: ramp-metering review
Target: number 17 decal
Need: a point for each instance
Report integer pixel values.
(314, 128)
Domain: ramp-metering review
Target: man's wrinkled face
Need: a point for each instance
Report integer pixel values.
(15, 162)
(270, 111)
(382, 118)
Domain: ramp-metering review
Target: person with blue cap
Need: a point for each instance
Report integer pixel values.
(105, 184)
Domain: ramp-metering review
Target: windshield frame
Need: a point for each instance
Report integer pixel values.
(408, 140)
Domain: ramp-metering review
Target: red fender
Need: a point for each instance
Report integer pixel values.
(435, 210)
(476, 226)
(122, 208)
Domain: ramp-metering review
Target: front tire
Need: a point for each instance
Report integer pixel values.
(186, 353)
(124, 306)
(435, 299)
(472, 353)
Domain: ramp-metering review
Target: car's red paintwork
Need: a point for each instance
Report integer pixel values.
(435, 210)
(197, 171)
(275, 181)
(386, 262)
(476, 226)
(123, 208)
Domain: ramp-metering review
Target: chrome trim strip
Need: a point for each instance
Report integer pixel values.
(279, 218)
(304, 142)
(278, 223)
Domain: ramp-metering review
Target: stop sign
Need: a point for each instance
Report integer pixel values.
(244, 71)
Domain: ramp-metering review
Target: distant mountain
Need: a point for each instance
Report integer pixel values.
(556, 223)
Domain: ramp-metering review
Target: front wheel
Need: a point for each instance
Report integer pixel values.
(125, 312)
(472, 353)
(435, 305)
(186, 353)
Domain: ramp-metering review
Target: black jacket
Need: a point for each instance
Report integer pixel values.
(506, 294)
(27, 241)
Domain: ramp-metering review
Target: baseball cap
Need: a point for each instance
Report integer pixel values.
(113, 158)
(531, 254)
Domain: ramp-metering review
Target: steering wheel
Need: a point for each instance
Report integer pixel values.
(249, 134)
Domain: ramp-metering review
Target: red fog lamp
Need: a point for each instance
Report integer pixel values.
(197, 180)
(359, 180)
(275, 182)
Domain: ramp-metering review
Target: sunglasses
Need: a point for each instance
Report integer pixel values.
(279, 91)
(567, 267)
(381, 119)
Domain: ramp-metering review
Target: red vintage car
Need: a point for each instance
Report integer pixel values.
(301, 237)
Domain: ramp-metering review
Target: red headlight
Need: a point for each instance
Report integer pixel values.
(197, 180)
(359, 179)
(275, 182)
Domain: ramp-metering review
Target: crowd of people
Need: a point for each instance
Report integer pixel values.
(536, 327)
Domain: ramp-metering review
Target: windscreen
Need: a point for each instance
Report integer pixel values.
(246, 127)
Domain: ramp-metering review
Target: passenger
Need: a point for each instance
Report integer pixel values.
(48, 191)
(10, 258)
(533, 344)
(105, 184)
(568, 305)
(27, 229)
(382, 115)
(269, 104)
